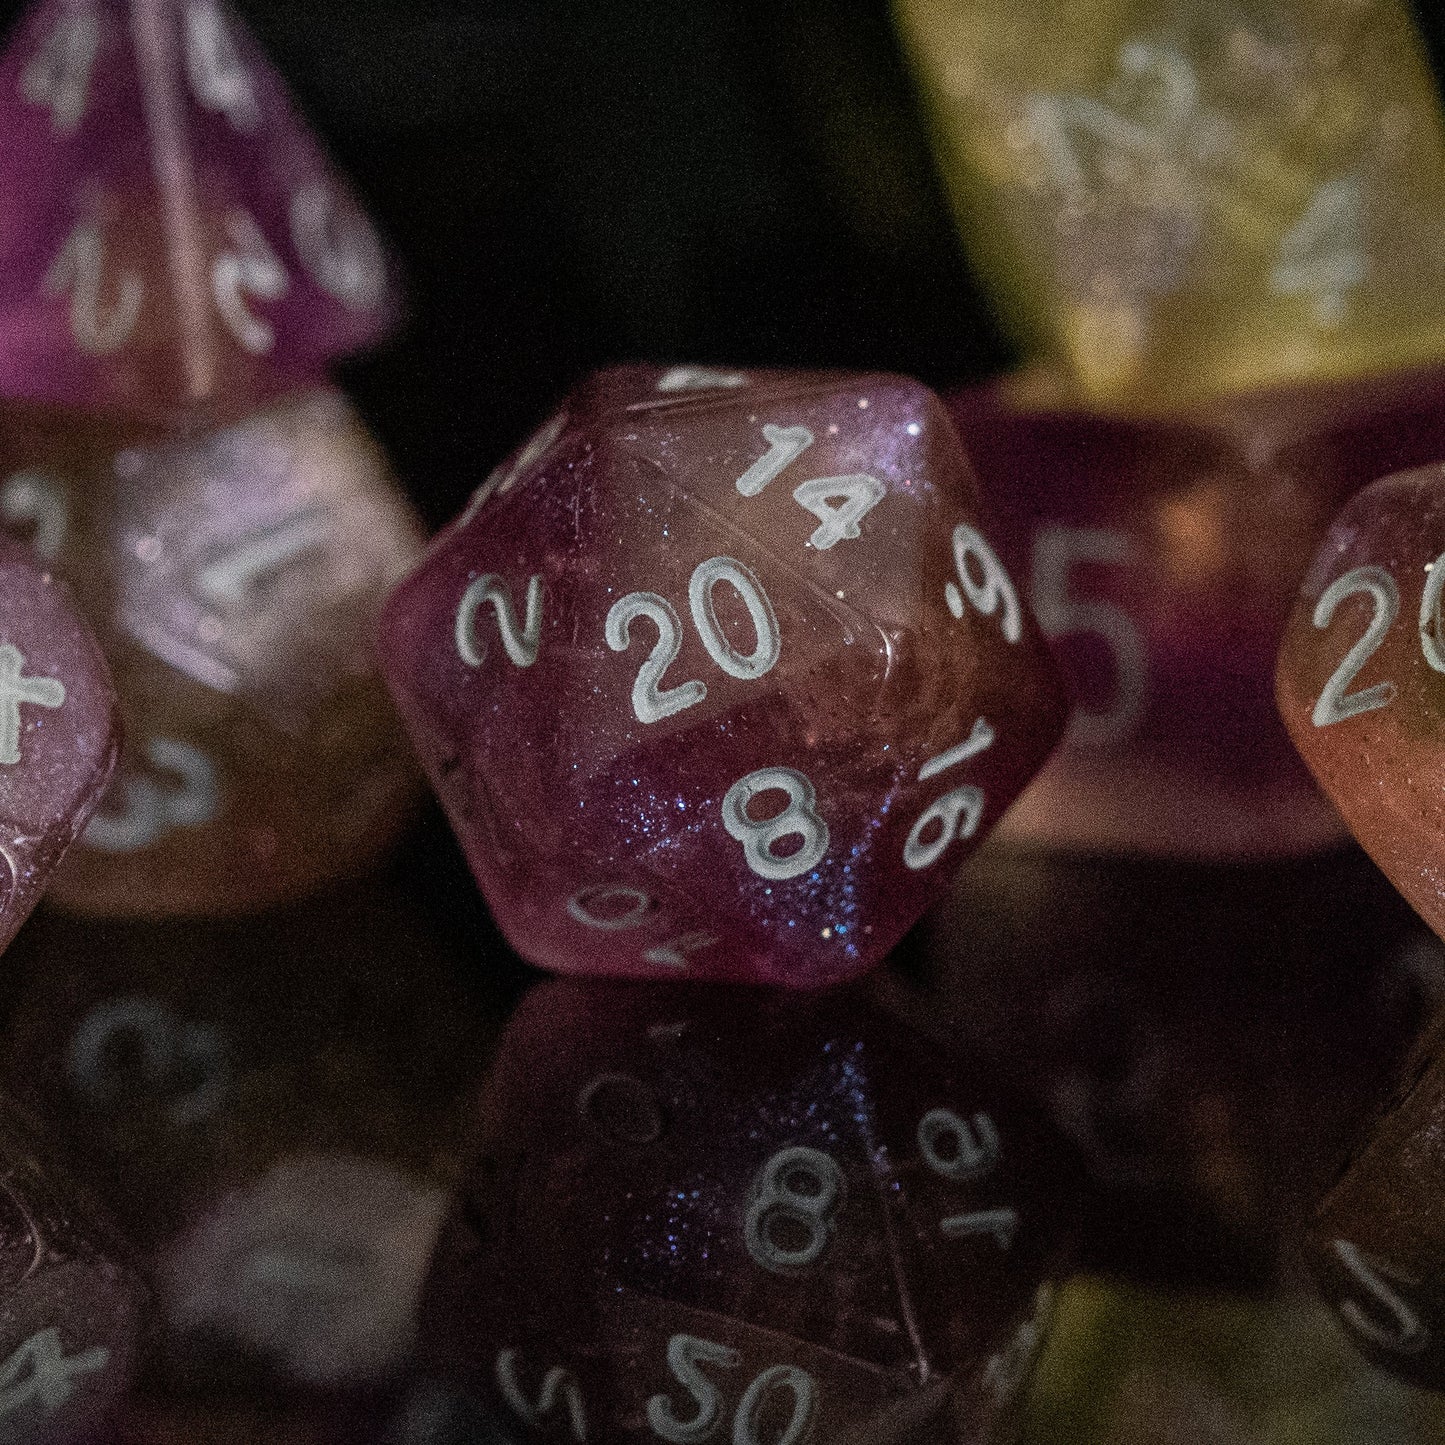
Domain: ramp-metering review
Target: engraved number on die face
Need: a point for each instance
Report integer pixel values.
(100, 324)
(961, 1151)
(686, 1354)
(58, 74)
(40, 1371)
(958, 812)
(182, 1060)
(839, 503)
(228, 582)
(1056, 550)
(1390, 1322)
(1335, 705)
(992, 591)
(792, 1209)
(615, 907)
(248, 268)
(213, 65)
(37, 499)
(799, 819)
(558, 1394)
(337, 246)
(181, 790)
(16, 688)
(651, 702)
(519, 642)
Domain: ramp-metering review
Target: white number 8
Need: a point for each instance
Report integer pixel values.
(804, 1187)
(800, 817)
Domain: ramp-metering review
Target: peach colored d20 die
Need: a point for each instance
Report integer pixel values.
(234, 579)
(173, 239)
(1361, 678)
(711, 681)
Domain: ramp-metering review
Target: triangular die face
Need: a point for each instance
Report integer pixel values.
(173, 238)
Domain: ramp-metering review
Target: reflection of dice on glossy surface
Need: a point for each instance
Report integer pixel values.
(235, 579)
(1377, 1245)
(1208, 1038)
(780, 1216)
(715, 671)
(1361, 679)
(1179, 198)
(72, 1307)
(1161, 560)
(173, 238)
(273, 1114)
(58, 730)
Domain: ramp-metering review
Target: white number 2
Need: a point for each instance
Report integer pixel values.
(249, 267)
(80, 270)
(36, 498)
(1405, 1334)
(520, 643)
(559, 1388)
(1335, 705)
(183, 792)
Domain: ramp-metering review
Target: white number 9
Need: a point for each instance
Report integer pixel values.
(993, 592)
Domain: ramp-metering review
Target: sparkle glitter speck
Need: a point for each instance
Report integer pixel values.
(913, 428)
(862, 403)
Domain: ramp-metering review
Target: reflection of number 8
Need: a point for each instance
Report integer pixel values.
(153, 809)
(804, 1187)
(800, 817)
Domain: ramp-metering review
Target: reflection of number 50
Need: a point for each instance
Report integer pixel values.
(1056, 550)
(152, 807)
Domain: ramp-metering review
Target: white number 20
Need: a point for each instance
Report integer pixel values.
(652, 702)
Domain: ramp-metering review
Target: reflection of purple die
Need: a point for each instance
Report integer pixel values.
(58, 732)
(244, 268)
(71, 1305)
(718, 675)
(785, 1216)
(1161, 559)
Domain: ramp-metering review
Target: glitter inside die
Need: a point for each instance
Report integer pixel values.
(722, 679)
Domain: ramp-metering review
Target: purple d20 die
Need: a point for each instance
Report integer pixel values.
(714, 680)
(173, 239)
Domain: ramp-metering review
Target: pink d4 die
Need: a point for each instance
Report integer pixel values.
(721, 680)
(172, 237)
(58, 731)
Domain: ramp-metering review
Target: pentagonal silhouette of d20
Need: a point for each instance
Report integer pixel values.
(759, 1212)
(713, 683)
(234, 577)
(174, 239)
